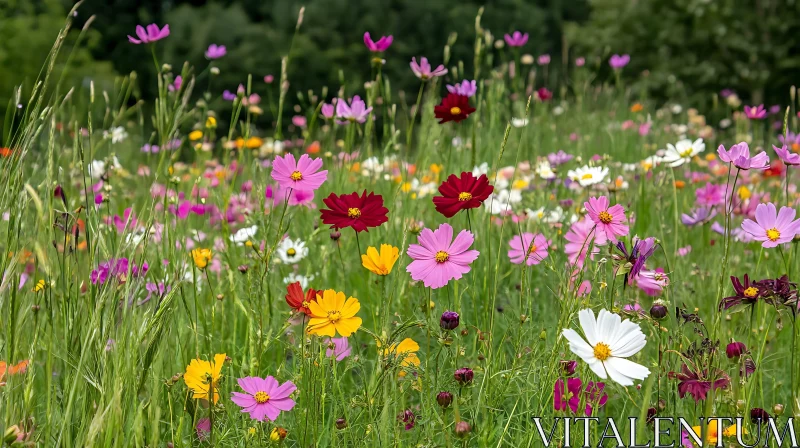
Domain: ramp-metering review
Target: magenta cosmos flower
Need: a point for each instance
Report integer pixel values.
(264, 397)
(610, 221)
(216, 51)
(380, 46)
(787, 156)
(150, 34)
(755, 112)
(739, 156)
(355, 111)
(516, 39)
(580, 238)
(617, 62)
(423, 70)
(530, 247)
(438, 259)
(302, 175)
(772, 227)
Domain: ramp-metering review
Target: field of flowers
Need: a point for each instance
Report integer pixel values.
(435, 269)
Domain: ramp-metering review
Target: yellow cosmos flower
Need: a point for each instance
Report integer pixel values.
(195, 135)
(406, 351)
(712, 433)
(330, 314)
(202, 377)
(201, 257)
(380, 264)
(254, 142)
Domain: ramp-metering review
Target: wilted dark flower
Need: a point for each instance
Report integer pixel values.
(698, 384)
(462, 429)
(758, 415)
(748, 368)
(569, 367)
(449, 320)
(781, 291)
(735, 350)
(444, 399)
(747, 293)
(651, 414)
(407, 418)
(464, 376)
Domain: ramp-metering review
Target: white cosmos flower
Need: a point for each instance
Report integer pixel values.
(588, 175)
(483, 168)
(544, 170)
(291, 251)
(243, 235)
(97, 168)
(304, 280)
(503, 201)
(610, 341)
(683, 151)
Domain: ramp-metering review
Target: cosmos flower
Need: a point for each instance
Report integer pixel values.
(202, 377)
(755, 112)
(559, 158)
(787, 156)
(617, 62)
(610, 221)
(739, 156)
(746, 293)
(610, 341)
(575, 393)
(150, 34)
(332, 315)
(698, 384)
(466, 88)
(291, 251)
(530, 248)
(631, 263)
(380, 46)
(244, 235)
(264, 398)
(341, 348)
(544, 94)
(462, 193)
(502, 202)
(303, 174)
(438, 258)
(581, 238)
(380, 263)
(423, 70)
(682, 152)
(216, 51)
(299, 301)
(710, 195)
(352, 210)
(771, 227)
(516, 39)
(117, 269)
(588, 175)
(700, 215)
(353, 111)
(652, 282)
(201, 257)
(454, 107)
(405, 352)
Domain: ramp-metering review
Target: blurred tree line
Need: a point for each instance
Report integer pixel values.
(688, 49)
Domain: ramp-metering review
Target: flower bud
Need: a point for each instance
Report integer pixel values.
(462, 429)
(444, 399)
(569, 367)
(278, 434)
(335, 235)
(215, 71)
(464, 376)
(735, 350)
(449, 320)
(658, 311)
(341, 423)
(777, 409)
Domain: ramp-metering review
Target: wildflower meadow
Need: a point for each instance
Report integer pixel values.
(472, 263)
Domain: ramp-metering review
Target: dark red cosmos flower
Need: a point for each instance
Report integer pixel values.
(352, 210)
(454, 107)
(297, 300)
(462, 193)
(698, 384)
(747, 293)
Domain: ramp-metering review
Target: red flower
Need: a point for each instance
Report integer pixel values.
(462, 193)
(544, 94)
(454, 107)
(297, 300)
(352, 210)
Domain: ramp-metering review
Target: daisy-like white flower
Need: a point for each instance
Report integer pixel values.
(588, 175)
(544, 170)
(610, 341)
(682, 152)
(243, 235)
(291, 251)
(304, 280)
(502, 202)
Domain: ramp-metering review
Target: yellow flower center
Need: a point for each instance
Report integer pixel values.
(773, 234)
(750, 292)
(334, 316)
(353, 212)
(291, 252)
(464, 196)
(455, 110)
(605, 217)
(297, 175)
(532, 249)
(687, 152)
(586, 176)
(305, 304)
(261, 397)
(441, 256)
(602, 351)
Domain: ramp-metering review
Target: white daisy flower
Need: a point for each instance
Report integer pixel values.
(243, 235)
(291, 251)
(97, 168)
(304, 280)
(483, 168)
(610, 341)
(502, 202)
(544, 170)
(682, 152)
(588, 175)
(117, 134)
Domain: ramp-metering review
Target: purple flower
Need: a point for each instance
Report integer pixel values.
(700, 215)
(407, 418)
(341, 348)
(159, 289)
(117, 268)
(774, 109)
(710, 195)
(422, 70)
(543, 59)
(755, 112)
(176, 84)
(228, 95)
(617, 62)
(580, 62)
(739, 155)
(640, 252)
(516, 39)
(380, 46)
(571, 397)
(150, 34)
(355, 111)
(735, 350)
(559, 158)
(786, 156)
(466, 88)
(150, 149)
(216, 51)
(328, 110)
(792, 140)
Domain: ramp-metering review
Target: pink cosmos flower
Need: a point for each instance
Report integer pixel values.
(380, 46)
(581, 238)
(341, 348)
(651, 282)
(755, 112)
(543, 59)
(787, 156)
(529, 248)
(280, 195)
(516, 39)
(176, 84)
(303, 175)
(423, 71)
(327, 110)
(610, 221)
(203, 428)
(355, 111)
(710, 195)
(771, 227)
(438, 259)
(216, 51)
(617, 62)
(150, 34)
(466, 88)
(739, 156)
(264, 397)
